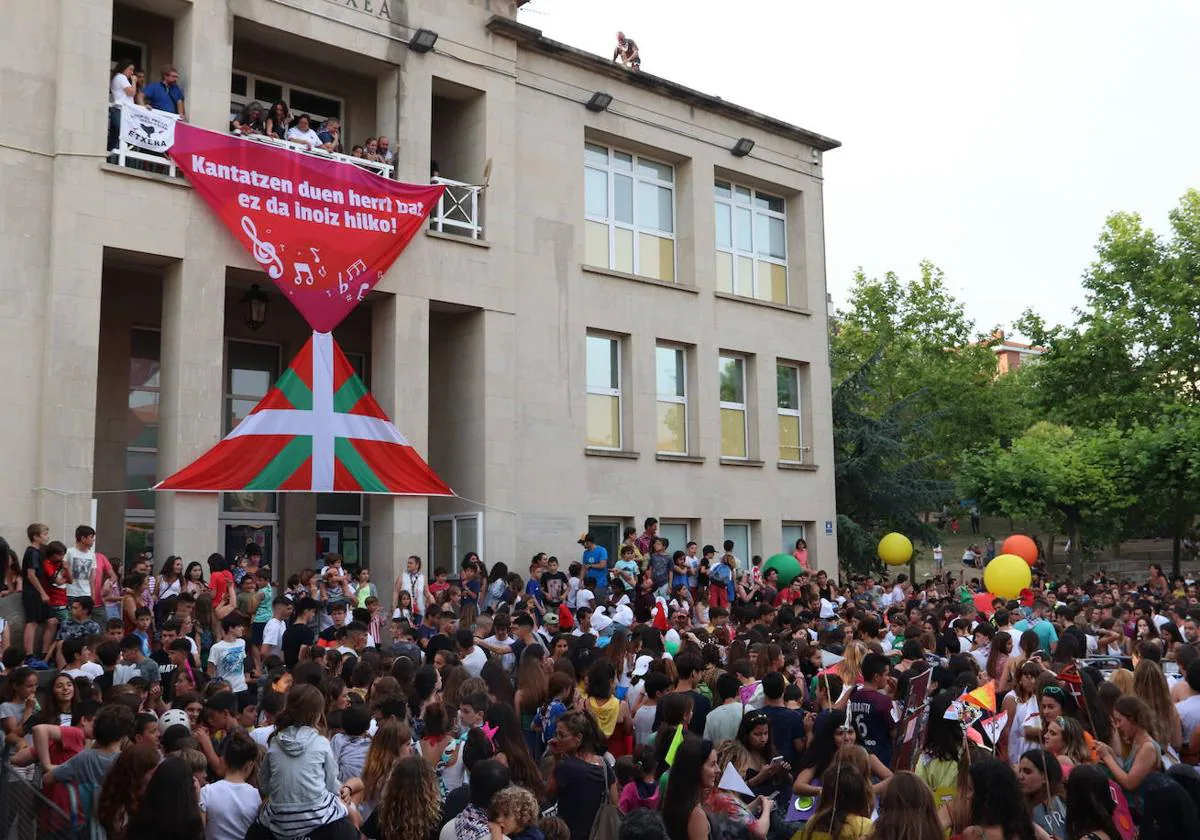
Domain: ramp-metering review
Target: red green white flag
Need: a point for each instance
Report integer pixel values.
(317, 430)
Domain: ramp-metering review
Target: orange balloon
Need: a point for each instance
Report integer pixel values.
(1022, 546)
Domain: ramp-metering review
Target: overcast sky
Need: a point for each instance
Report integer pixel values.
(992, 138)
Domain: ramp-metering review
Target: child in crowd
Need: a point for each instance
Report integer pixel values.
(561, 689)
(230, 805)
(351, 744)
(515, 810)
(144, 629)
(635, 777)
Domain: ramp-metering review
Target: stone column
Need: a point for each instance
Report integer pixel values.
(400, 382)
(191, 398)
(204, 56)
(499, 443)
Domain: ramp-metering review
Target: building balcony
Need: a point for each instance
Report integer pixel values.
(458, 210)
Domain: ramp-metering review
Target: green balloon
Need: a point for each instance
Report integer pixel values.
(787, 566)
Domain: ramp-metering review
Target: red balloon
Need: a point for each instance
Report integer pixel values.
(983, 602)
(1022, 546)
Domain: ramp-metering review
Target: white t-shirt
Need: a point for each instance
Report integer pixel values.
(1189, 714)
(230, 808)
(508, 660)
(229, 661)
(116, 90)
(273, 633)
(414, 585)
(474, 661)
(83, 567)
(261, 734)
(91, 670)
(296, 135)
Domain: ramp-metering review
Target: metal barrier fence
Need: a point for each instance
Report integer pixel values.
(25, 814)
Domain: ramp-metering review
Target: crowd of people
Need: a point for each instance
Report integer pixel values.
(667, 692)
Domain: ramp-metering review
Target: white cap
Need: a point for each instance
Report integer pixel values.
(173, 717)
(642, 665)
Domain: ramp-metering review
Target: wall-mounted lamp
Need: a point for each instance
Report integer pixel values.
(599, 102)
(742, 147)
(422, 41)
(255, 303)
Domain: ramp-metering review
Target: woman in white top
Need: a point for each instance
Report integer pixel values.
(1022, 707)
(303, 134)
(121, 89)
(170, 579)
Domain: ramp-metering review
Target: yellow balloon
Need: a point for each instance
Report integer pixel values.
(1006, 576)
(895, 549)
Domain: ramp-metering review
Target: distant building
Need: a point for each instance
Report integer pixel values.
(1010, 355)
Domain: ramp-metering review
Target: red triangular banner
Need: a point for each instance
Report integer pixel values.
(318, 429)
(323, 230)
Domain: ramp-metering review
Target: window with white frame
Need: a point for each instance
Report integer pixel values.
(734, 443)
(245, 88)
(251, 370)
(739, 534)
(792, 531)
(603, 391)
(670, 362)
(451, 538)
(791, 436)
(751, 242)
(629, 204)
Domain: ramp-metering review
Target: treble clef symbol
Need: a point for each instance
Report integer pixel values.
(264, 252)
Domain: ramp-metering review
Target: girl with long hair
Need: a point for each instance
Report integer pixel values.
(1090, 806)
(193, 578)
(907, 812)
(1022, 706)
(831, 734)
(764, 776)
(410, 805)
(122, 788)
(20, 704)
(510, 741)
(1150, 684)
(440, 749)
(58, 703)
(1063, 738)
(391, 743)
(497, 583)
(299, 775)
(533, 687)
(845, 809)
(170, 578)
(997, 810)
(937, 765)
(997, 660)
(692, 795)
(612, 715)
(1040, 777)
(170, 806)
(426, 683)
(1143, 755)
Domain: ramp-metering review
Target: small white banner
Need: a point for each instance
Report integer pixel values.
(147, 129)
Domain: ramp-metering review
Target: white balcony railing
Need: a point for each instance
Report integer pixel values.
(457, 211)
(378, 167)
(123, 154)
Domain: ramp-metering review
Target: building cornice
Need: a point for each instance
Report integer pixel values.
(532, 39)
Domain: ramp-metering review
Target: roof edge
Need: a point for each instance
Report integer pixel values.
(531, 38)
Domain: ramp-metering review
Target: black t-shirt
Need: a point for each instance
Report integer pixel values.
(871, 712)
(31, 562)
(581, 790)
(554, 587)
(456, 802)
(166, 673)
(296, 636)
(786, 726)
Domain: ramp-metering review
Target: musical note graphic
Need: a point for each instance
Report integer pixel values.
(362, 292)
(356, 268)
(264, 252)
(304, 274)
(317, 259)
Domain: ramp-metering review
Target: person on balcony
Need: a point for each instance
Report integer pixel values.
(279, 120)
(383, 146)
(121, 92)
(251, 120)
(627, 52)
(302, 134)
(165, 95)
(331, 136)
